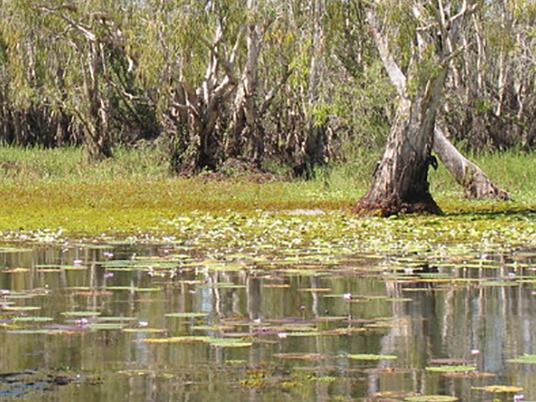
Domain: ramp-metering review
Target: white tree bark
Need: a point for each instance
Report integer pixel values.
(466, 173)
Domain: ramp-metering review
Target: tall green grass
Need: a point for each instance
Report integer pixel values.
(513, 170)
(70, 164)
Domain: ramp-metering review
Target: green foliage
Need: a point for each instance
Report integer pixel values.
(104, 73)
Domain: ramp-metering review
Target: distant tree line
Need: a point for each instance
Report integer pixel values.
(301, 82)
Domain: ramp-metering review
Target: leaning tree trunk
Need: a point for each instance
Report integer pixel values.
(474, 181)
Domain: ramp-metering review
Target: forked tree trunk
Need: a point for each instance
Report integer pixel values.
(475, 183)
(400, 183)
(196, 112)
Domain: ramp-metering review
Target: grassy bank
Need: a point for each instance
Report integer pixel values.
(135, 193)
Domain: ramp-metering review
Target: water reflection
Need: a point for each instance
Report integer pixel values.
(292, 327)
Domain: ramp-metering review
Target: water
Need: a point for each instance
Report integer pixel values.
(293, 326)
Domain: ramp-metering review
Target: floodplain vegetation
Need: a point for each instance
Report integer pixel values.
(54, 194)
(216, 88)
(215, 199)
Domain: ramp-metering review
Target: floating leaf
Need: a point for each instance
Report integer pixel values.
(105, 326)
(15, 270)
(498, 389)
(176, 339)
(315, 290)
(229, 343)
(147, 290)
(20, 308)
(115, 319)
(431, 398)
(32, 319)
(211, 328)
(307, 333)
(372, 357)
(81, 313)
(525, 359)
(451, 368)
(186, 315)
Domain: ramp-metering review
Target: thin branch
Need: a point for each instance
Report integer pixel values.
(395, 74)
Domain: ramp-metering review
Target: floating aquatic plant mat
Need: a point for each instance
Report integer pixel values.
(295, 228)
(286, 305)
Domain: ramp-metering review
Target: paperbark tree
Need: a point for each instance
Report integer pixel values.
(314, 148)
(246, 129)
(197, 109)
(400, 182)
(475, 182)
(88, 35)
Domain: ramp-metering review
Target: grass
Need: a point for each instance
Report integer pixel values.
(134, 192)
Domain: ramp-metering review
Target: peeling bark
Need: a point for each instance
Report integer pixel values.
(400, 183)
(474, 181)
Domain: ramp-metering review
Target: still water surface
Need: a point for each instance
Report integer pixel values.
(166, 323)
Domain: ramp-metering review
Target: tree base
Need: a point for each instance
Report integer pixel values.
(393, 206)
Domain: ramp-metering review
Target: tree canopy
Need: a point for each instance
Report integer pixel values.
(301, 82)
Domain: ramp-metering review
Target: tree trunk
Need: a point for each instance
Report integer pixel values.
(466, 173)
(96, 129)
(474, 181)
(400, 183)
(246, 129)
(314, 148)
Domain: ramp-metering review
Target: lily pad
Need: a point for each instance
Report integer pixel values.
(499, 389)
(81, 313)
(32, 319)
(186, 315)
(371, 357)
(115, 319)
(431, 398)
(229, 343)
(524, 359)
(451, 368)
(21, 308)
(106, 326)
(176, 339)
